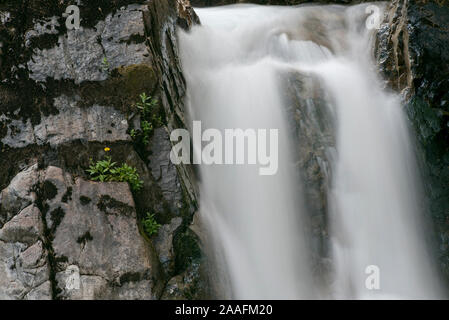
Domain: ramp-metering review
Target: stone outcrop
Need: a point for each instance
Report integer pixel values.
(69, 229)
(65, 95)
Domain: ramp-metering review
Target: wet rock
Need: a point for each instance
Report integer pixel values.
(163, 170)
(186, 286)
(163, 243)
(311, 124)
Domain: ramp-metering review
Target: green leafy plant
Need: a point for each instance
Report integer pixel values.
(150, 225)
(106, 170)
(146, 104)
(149, 120)
(128, 174)
(101, 170)
(105, 65)
(147, 129)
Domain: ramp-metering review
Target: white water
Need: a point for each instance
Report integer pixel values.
(256, 224)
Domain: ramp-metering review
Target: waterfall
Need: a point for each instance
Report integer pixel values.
(237, 66)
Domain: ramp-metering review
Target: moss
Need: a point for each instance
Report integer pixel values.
(122, 89)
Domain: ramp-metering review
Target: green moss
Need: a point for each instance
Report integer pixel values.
(135, 77)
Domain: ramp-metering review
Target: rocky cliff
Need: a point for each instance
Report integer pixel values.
(67, 99)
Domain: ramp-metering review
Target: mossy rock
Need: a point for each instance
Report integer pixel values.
(123, 88)
(136, 76)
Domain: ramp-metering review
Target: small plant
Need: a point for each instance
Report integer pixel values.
(128, 174)
(101, 170)
(150, 225)
(146, 104)
(149, 120)
(147, 129)
(106, 170)
(105, 65)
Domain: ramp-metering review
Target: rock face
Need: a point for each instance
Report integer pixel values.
(413, 52)
(312, 126)
(65, 95)
(72, 229)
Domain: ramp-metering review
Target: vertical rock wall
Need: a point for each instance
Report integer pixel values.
(59, 108)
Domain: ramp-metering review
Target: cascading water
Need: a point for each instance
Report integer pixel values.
(235, 65)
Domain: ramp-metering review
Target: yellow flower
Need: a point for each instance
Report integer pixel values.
(107, 149)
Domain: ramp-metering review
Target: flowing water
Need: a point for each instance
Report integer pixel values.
(235, 66)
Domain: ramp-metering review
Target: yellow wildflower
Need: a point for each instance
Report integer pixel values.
(107, 149)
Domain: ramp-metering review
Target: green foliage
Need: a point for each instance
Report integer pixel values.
(101, 170)
(150, 225)
(105, 65)
(106, 170)
(147, 129)
(146, 104)
(149, 120)
(128, 174)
